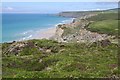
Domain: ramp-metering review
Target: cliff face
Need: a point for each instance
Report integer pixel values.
(58, 34)
(76, 31)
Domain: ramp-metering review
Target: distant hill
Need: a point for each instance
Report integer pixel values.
(76, 14)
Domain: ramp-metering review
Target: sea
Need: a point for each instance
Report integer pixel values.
(17, 27)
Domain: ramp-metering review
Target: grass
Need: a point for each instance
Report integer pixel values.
(66, 60)
(71, 60)
(104, 16)
(106, 26)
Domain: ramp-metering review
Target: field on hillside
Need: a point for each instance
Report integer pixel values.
(109, 27)
(63, 60)
(105, 23)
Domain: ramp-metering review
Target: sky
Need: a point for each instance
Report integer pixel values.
(60, 0)
(54, 7)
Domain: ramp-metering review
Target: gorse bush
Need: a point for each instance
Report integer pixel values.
(70, 59)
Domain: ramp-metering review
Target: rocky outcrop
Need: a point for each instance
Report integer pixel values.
(15, 48)
(58, 34)
(76, 31)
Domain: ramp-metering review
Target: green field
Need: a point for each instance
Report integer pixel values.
(104, 16)
(106, 26)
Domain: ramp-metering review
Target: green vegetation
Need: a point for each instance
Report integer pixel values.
(64, 60)
(105, 22)
(106, 26)
(52, 59)
(104, 16)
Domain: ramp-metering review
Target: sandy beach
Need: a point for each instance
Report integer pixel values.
(46, 34)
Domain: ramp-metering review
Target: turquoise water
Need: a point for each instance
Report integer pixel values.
(22, 26)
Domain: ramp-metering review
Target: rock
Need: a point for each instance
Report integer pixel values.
(76, 31)
(36, 44)
(73, 21)
(48, 50)
(40, 60)
(105, 42)
(48, 68)
(30, 44)
(114, 77)
(42, 50)
(15, 51)
(17, 48)
(62, 50)
(21, 45)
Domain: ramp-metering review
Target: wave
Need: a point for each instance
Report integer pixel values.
(65, 21)
(68, 21)
(26, 38)
(27, 32)
(35, 33)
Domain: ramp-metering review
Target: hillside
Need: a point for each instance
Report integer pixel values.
(85, 48)
(76, 14)
(50, 59)
(93, 26)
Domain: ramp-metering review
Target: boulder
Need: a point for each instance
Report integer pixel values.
(48, 50)
(105, 42)
(30, 44)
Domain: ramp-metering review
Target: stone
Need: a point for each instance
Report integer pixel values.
(48, 50)
(73, 21)
(30, 44)
(105, 42)
(40, 60)
(62, 50)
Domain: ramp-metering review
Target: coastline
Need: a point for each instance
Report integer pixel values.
(46, 33)
(50, 32)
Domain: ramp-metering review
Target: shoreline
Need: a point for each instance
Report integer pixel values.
(46, 33)
(50, 32)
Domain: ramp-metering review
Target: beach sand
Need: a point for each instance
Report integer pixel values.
(46, 34)
(50, 32)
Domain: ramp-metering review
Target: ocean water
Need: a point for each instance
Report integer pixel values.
(23, 26)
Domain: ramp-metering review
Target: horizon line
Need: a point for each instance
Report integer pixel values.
(61, 1)
(59, 11)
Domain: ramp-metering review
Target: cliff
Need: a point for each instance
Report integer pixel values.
(79, 29)
(76, 32)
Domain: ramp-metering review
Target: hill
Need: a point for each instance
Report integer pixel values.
(50, 59)
(85, 48)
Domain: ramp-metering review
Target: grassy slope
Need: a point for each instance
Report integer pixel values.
(105, 26)
(105, 23)
(104, 16)
(70, 60)
(66, 59)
